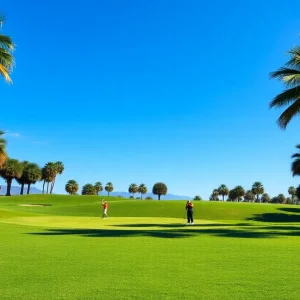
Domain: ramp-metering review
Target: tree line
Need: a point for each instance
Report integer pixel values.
(255, 194)
(158, 189)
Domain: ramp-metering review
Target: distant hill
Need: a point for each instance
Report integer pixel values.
(166, 197)
(15, 190)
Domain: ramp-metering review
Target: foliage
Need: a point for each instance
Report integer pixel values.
(281, 199)
(6, 57)
(72, 187)
(237, 193)
(223, 191)
(88, 189)
(142, 190)
(148, 198)
(109, 187)
(295, 166)
(257, 189)
(249, 196)
(197, 197)
(3, 155)
(59, 168)
(159, 189)
(98, 186)
(133, 188)
(265, 198)
(290, 76)
(11, 169)
(32, 173)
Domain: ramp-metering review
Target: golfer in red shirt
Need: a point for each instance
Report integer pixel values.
(105, 207)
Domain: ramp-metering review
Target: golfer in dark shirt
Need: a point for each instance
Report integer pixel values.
(189, 212)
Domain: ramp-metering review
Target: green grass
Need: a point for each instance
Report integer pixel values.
(144, 251)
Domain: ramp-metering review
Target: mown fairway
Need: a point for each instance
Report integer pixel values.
(144, 251)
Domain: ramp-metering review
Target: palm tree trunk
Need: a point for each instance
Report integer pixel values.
(48, 187)
(22, 189)
(141, 196)
(158, 196)
(223, 197)
(52, 186)
(44, 186)
(28, 188)
(9, 181)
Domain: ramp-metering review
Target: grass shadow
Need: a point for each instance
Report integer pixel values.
(254, 232)
(275, 218)
(290, 209)
(173, 225)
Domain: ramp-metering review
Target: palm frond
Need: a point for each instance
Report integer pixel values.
(292, 111)
(296, 155)
(286, 97)
(290, 77)
(6, 59)
(5, 73)
(295, 167)
(295, 59)
(6, 42)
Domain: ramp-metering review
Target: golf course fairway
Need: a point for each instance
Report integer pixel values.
(59, 247)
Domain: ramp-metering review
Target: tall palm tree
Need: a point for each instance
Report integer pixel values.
(290, 76)
(257, 189)
(142, 189)
(109, 187)
(295, 167)
(223, 190)
(98, 187)
(3, 155)
(49, 172)
(59, 170)
(133, 188)
(6, 57)
(11, 169)
(32, 173)
(292, 192)
(22, 180)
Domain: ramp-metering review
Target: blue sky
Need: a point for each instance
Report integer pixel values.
(147, 91)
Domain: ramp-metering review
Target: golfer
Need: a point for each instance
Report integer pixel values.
(105, 207)
(189, 212)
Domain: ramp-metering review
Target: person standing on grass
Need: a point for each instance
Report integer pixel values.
(189, 212)
(105, 207)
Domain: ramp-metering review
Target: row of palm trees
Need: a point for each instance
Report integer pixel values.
(72, 188)
(255, 194)
(29, 173)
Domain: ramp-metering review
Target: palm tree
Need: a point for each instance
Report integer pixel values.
(49, 172)
(133, 188)
(240, 192)
(59, 170)
(290, 76)
(109, 187)
(3, 155)
(71, 187)
(281, 199)
(265, 198)
(295, 167)
(142, 189)
(292, 192)
(22, 180)
(159, 189)
(249, 196)
(32, 173)
(98, 186)
(257, 189)
(11, 169)
(6, 58)
(88, 189)
(223, 190)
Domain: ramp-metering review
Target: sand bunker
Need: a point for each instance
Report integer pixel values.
(35, 204)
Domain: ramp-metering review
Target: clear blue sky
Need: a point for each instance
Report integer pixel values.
(146, 91)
